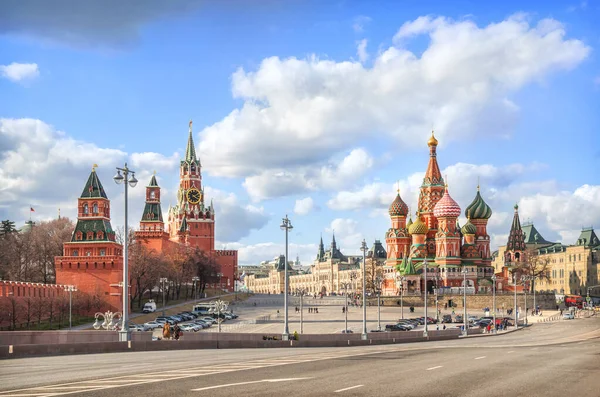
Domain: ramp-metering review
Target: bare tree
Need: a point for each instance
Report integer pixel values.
(40, 308)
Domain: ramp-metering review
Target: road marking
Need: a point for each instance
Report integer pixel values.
(512, 351)
(348, 388)
(479, 358)
(439, 366)
(248, 383)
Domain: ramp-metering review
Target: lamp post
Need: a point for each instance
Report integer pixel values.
(219, 307)
(163, 282)
(345, 285)
(378, 282)
(524, 280)
(125, 179)
(363, 248)
(110, 322)
(515, 308)
(287, 226)
(195, 280)
(401, 280)
(70, 289)
(494, 300)
(436, 293)
(302, 292)
(425, 296)
(465, 330)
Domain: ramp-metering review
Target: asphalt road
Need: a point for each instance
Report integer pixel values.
(550, 359)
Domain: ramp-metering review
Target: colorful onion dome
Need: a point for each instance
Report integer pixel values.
(410, 222)
(432, 141)
(398, 207)
(468, 228)
(446, 207)
(418, 227)
(478, 209)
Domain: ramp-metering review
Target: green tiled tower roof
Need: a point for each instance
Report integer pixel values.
(190, 150)
(152, 213)
(153, 181)
(93, 225)
(93, 188)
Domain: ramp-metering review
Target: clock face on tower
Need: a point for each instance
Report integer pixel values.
(193, 196)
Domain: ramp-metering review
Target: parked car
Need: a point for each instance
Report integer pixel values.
(569, 315)
(150, 325)
(396, 327)
(136, 327)
(446, 318)
(149, 307)
(458, 319)
(347, 331)
(210, 320)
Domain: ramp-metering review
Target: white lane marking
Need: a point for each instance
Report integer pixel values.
(348, 388)
(248, 383)
(439, 366)
(512, 351)
(479, 358)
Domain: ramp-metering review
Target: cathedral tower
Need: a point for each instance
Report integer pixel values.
(515, 247)
(397, 237)
(447, 238)
(479, 213)
(432, 190)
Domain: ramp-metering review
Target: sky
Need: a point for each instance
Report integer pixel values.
(315, 109)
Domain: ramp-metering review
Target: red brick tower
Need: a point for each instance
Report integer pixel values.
(190, 220)
(93, 260)
(432, 191)
(397, 238)
(515, 247)
(152, 228)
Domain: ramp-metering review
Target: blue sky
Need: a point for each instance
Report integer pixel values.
(311, 108)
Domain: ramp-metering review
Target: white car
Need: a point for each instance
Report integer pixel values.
(568, 316)
(152, 325)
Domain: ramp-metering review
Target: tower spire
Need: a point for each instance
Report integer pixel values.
(516, 238)
(190, 151)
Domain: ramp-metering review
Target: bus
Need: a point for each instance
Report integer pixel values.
(574, 301)
(202, 308)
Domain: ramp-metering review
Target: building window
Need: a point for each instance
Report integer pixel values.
(579, 256)
(102, 252)
(153, 194)
(75, 252)
(90, 236)
(95, 208)
(100, 235)
(79, 236)
(88, 253)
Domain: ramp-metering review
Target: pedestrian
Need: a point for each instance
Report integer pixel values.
(444, 327)
(176, 332)
(343, 310)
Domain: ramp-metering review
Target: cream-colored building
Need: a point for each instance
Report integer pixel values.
(571, 268)
(331, 272)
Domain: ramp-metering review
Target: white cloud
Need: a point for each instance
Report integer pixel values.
(280, 182)
(564, 212)
(360, 22)
(19, 71)
(361, 51)
(298, 114)
(304, 206)
(151, 161)
(347, 236)
(253, 254)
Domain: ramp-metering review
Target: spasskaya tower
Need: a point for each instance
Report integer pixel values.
(190, 221)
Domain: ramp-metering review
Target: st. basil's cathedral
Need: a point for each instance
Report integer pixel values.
(436, 236)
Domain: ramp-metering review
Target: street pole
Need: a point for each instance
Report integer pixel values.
(533, 286)
(425, 283)
(379, 310)
(302, 312)
(465, 331)
(287, 226)
(124, 333)
(515, 309)
(525, 294)
(402, 279)
(70, 289)
(363, 247)
(494, 301)
(163, 281)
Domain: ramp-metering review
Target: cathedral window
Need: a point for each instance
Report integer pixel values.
(153, 194)
(89, 236)
(85, 209)
(193, 168)
(102, 252)
(95, 208)
(75, 252)
(100, 235)
(79, 236)
(88, 253)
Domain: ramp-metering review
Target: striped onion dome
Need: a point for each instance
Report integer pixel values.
(398, 207)
(468, 228)
(446, 207)
(478, 209)
(418, 227)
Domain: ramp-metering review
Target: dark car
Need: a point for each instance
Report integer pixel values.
(396, 327)
(446, 318)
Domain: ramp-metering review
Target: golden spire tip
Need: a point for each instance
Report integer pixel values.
(94, 166)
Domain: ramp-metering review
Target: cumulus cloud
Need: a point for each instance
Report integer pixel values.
(19, 71)
(304, 206)
(564, 212)
(280, 182)
(253, 254)
(299, 113)
(347, 236)
(361, 51)
(234, 220)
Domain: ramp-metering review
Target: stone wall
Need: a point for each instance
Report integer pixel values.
(479, 301)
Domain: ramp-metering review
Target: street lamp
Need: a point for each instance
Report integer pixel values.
(464, 272)
(401, 280)
(363, 248)
(378, 282)
(218, 306)
(494, 300)
(287, 226)
(195, 280)
(301, 292)
(125, 179)
(524, 280)
(110, 323)
(425, 282)
(436, 293)
(70, 289)
(515, 308)
(345, 286)
(163, 282)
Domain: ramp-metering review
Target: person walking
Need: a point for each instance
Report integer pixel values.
(166, 331)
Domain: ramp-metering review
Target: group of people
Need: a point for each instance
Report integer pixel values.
(173, 333)
(310, 310)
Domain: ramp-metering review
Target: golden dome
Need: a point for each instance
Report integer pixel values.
(432, 141)
(418, 227)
